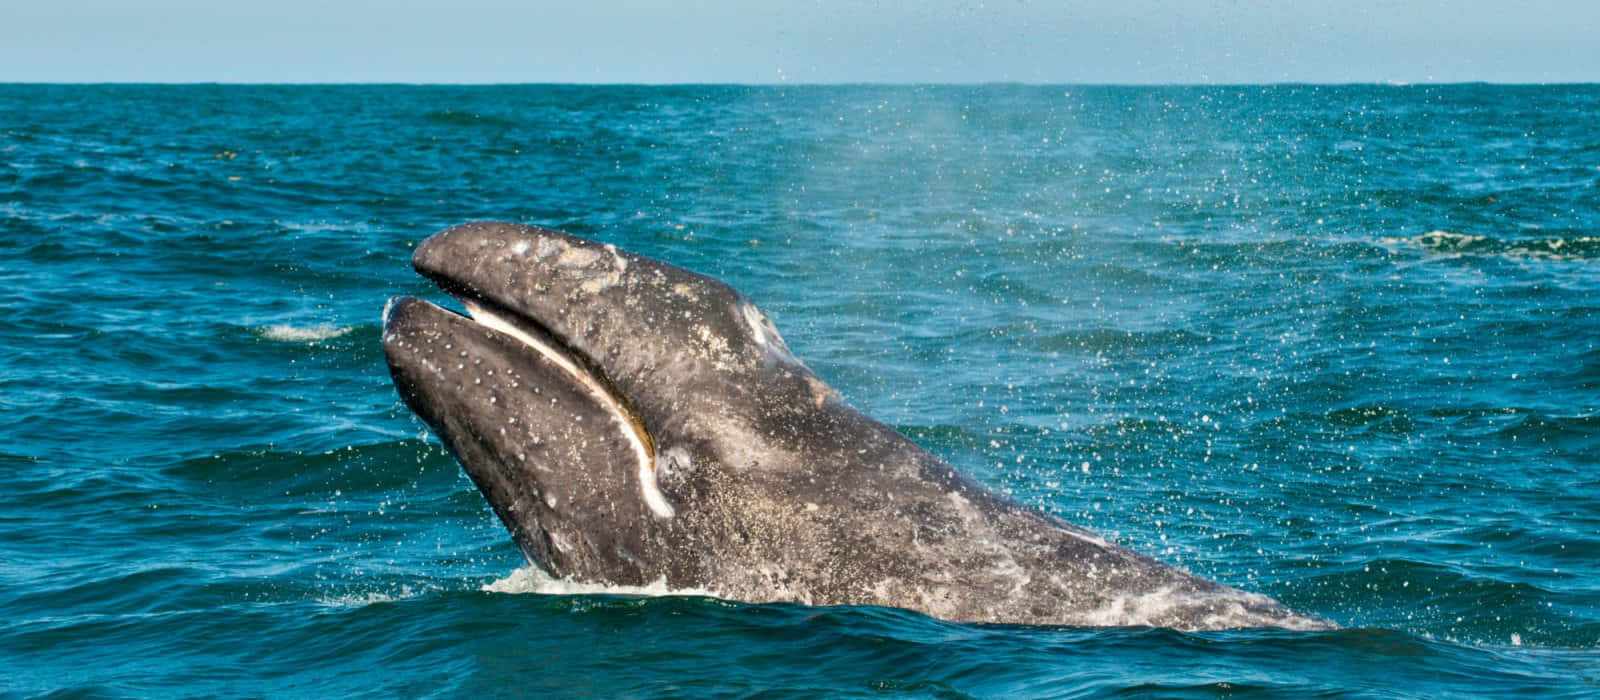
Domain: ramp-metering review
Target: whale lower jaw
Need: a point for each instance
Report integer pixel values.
(632, 427)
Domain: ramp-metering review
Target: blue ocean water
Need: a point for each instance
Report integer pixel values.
(1338, 345)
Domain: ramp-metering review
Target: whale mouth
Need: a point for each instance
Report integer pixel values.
(581, 372)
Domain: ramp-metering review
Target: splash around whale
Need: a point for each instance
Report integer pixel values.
(632, 422)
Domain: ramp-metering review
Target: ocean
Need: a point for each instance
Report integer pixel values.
(1339, 345)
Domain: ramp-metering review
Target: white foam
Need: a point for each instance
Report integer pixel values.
(1157, 607)
(356, 600)
(286, 333)
(1453, 245)
(1448, 240)
(532, 579)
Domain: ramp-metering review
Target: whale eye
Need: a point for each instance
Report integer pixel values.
(673, 465)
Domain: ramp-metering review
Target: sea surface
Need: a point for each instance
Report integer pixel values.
(1335, 344)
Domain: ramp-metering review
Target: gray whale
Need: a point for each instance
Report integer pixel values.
(632, 422)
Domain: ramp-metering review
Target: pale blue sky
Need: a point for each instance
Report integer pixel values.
(605, 41)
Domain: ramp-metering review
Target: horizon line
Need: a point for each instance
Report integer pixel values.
(867, 83)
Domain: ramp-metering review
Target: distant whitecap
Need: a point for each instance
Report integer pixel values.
(287, 333)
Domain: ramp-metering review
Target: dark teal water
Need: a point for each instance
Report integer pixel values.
(1339, 345)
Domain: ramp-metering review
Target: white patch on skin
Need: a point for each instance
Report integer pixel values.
(560, 542)
(519, 247)
(675, 460)
(1158, 606)
(1089, 538)
(1008, 569)
(622, 264)
(633, 433)
(597, 283)
(759, 327)
(964, 507)
(820, 392)
(716, 347)
(388, 308)
(547, 248)
(771, 345)
(575, 256)
(883, 591)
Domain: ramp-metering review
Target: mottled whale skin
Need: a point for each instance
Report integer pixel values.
(632, 422)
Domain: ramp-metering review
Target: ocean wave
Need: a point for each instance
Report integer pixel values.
(1452, 601)
(1571, 431)
(370, 468)
(1511, 423)
(451, 117)
(1116, 339)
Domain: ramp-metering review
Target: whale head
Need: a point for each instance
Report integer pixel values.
(632, 422)
(591, 393)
